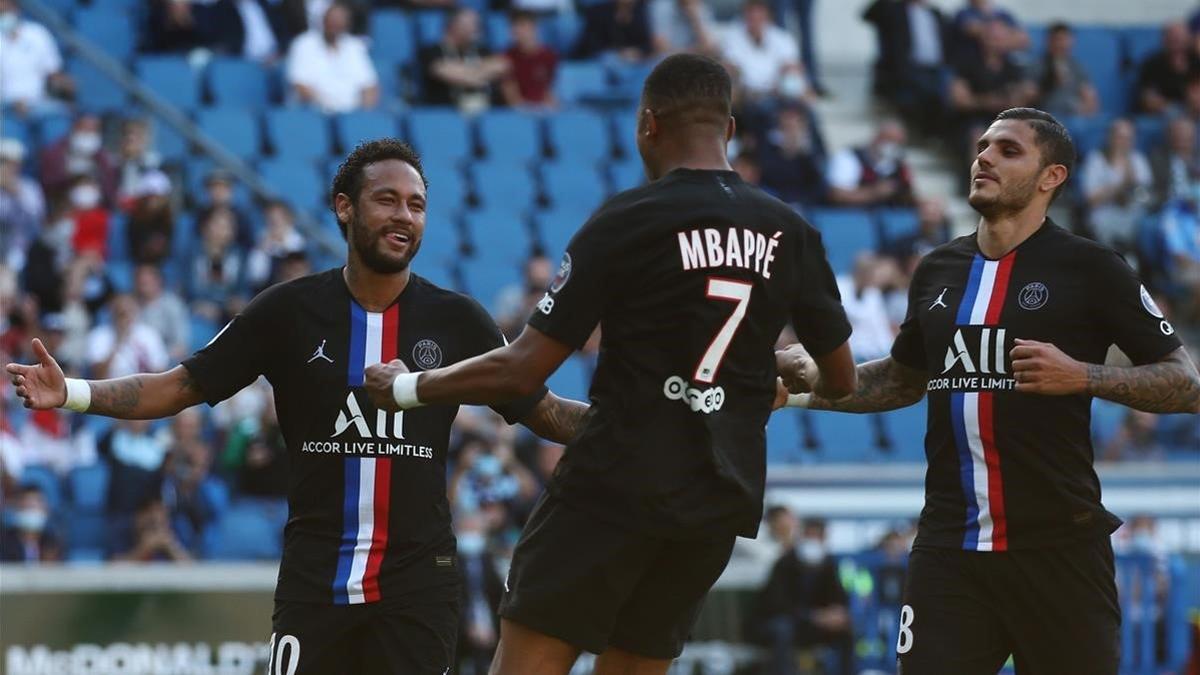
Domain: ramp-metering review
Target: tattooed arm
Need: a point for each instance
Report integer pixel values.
(142, 396)
(556, 419)
(884, 384)
(1171, 385)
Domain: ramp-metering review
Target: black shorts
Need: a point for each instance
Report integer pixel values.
(593, 584)
(1054, 610)
(414, 635)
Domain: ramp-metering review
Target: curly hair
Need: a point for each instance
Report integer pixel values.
(349, 178)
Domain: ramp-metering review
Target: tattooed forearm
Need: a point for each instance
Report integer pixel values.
(557, 419)
(117, 398)
(1169, 386)
(145, 396)
(882, 385)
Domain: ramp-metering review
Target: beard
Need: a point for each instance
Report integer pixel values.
(1012, 198)
(366, 245)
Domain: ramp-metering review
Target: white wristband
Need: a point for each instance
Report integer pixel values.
(404, 390)
(798, 400)
(79, 395)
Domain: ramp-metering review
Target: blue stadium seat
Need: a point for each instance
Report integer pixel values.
(483, 279)
(510, 136)
(844, 438)
(503, 186)
(88, 533)
(393, 38)
(50, 128)
(498, 34)
(88, 487)
(18, 129)
(784, 440)
(579, 185)
(1151, 132)
(499, 238)
(44, 479)
(581, 81)
(440, 245)
(202, 329)
(297, 133)
(172, 78)
(431, 23)
(244, 532)
(579, 136)
(571, 380)
(567, 27)
(1098, 48)
(118, 238)
(94, 91)
(295, 181)
(625, 134)
(391, 82)
(236, 130)
(895, 223)
(447, 189)
(353, 128)
(627, 175)
(441, 134)
(120, 273)
(171, 145)
(906, 429)
(846, 233)
(1140, 43)
(1088, 133)
(111, 31)
(236, 82)
(1106, 419)
(628, 78)
(556, 226)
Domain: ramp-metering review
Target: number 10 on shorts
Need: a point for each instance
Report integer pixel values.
(904, 643)
(283, 657)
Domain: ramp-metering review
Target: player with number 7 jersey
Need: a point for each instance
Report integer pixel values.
(691, 279)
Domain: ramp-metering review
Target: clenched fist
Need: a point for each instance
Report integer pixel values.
(377, 380)
(797, 369)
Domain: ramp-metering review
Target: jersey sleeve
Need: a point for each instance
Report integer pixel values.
(485, 336)
(581, 288)
(239, 353)
(817, 315)
(909, 345)
(1128, 313)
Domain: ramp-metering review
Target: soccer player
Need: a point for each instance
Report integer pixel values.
(368, 580)
(691, 279)
(1007, 329)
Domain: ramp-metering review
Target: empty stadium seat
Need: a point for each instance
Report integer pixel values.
(895, 223)
(624, 126)
(846, 232)
(1140, 43)
(431, 24)
(88, 535)
(297, 133)
(579, 185)
(238, 83)
(566, 29)
(44, 479)
(581, 81)
(503, 186)
(234, 129)
(510, 136)
(170, 77)
(1098, 48)
(94, 91)
(784, 438)
(906, 430)
(50, 128)
(88, 487)
(579, 136)
(118, 238)
(627, 175)
(353, 128)
(441, 134)
(1150, 132)
(393, 37)
(244, 532)
(18, 129)
(844, 438)
(295, 181)
(170, 144)
(571, 380)
(500, 238)
(447, 189)
(556, 226)
(110, 31)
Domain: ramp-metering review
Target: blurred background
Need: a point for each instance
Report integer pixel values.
(161, 161)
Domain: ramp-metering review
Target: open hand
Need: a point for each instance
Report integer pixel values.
(1042, 368)
(41, 386)
(377, 380)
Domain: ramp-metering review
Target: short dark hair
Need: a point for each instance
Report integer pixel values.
(1058, 27)
(775, 511)
(1053, 139)
(349, 178)
(521, 15)
(696, 87)
(748, 4)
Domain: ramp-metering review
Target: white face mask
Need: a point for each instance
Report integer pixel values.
(85, 196)
(890, 152)
(85, 143)
(29, 520)
(471, 543)
(793, 85)
(810, 551)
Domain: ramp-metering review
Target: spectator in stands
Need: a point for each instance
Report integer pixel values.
(1116, 182)
(28, 538)
(875, 174)
(151, 220)
(683, 26)
(764, 57)
(1136, 439)
(153, 538)
(803, 604)
(790, 160)
(291, 267)
(529, 78)
(190, 493)
(79, 153)
(1181, 233)
(125, 346)
(47, 260)
(1164, 74)
(971, 24)
(866, 308)
(933, 230)
(460, 70)
(482, 587)
(30, 65)
(983, 87)
(136, 455)
(216, 277)
(747, 166)
(162, 310)
(173, 26)
(22, 206)
(1064, 87)
(218, 188)
(135, 159)
(255, 30)
(90, 217)
(1175, 165)
(776, 535)
(1191, 100)
(490, 473)
(48, 441)
(279, 239)
(515, 301)
(617, 27)
(255, 455)
(330, 68)
(914, 39)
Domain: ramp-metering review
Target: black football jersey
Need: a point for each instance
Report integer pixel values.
(691, 278)
(1014, 470)
(368, 517)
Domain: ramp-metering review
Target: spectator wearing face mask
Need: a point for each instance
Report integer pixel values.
(90, 217)
(777, 534)
(135, 158)
(79, 153)
(29, 538)
(151, 221)
(875, 174)
(482, 587)
(791, 159)
(765, 57)
(136, 455)
(803, 604)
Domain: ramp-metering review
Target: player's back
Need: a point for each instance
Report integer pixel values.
(692, 279)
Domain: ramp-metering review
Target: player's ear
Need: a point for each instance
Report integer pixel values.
(648, 123)
(1053, 176)
(343, 207)
(730, 129)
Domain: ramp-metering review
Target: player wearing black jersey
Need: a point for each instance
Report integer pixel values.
(368, 582)
(691, 279)
(1007, 329)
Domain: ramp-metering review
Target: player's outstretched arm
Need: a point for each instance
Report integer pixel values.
(1171, 385)
(499, 376)
(556, 419)
(884, 384)
(143, 396)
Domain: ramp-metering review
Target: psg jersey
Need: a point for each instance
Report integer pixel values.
(368, 517)
(691, 279)
(1009, 470)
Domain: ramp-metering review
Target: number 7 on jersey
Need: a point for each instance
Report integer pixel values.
(723, 289)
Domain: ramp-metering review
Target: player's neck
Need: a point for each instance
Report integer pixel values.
(692, 155)
(373, 290)
(997, 236)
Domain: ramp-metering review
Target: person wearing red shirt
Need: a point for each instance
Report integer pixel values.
(532, 65)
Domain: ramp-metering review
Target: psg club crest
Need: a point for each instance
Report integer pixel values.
(564, 273)
(427, 354)
(1033, 296)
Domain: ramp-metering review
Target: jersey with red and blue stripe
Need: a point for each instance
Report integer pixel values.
(368, 518)
(1011, 470)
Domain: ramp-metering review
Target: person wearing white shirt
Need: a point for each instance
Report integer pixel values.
(866, 308)
(331, 68)
(30, 64)
(126, 346)
(1116, 184)
(765, 55)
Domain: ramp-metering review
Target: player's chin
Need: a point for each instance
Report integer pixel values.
(983, 195)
